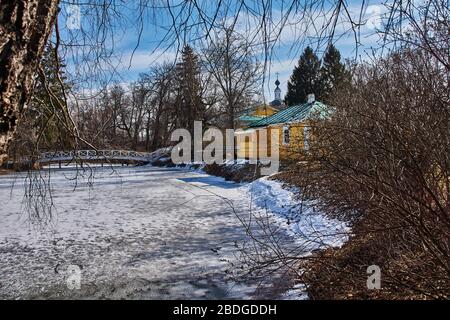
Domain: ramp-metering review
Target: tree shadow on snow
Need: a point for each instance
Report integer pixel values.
(211, 181)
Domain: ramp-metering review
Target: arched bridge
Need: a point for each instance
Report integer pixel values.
(98, 156)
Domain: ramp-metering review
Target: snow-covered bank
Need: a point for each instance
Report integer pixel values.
(239, 170)
(312, 229)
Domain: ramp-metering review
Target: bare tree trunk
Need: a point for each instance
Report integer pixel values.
(25, 26)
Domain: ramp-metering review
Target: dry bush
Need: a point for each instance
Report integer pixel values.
(383, 162)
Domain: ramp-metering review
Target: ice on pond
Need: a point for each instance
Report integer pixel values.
(131, 232)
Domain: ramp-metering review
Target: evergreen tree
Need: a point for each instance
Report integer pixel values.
(332, 74)
(189, 104)
(50, 109)
(305, 79)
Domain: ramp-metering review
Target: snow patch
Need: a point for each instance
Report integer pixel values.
(311, 228)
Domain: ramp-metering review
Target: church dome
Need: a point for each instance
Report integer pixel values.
(275, 103)
(277, 91)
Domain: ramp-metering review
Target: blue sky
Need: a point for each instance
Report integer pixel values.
(133, 46)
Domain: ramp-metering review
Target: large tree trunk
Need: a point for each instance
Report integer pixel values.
(25, 26)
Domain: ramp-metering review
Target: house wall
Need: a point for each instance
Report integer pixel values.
(264, 111)
(291, 150)
(287, 152)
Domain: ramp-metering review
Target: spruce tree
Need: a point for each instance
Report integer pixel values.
(51, 109)
(305, 79)
(332, 74)
(190, 105)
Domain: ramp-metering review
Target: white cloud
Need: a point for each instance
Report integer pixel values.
(142, 60)
(282, 66)
(313, 23)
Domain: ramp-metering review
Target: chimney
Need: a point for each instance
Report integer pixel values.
(311, 98)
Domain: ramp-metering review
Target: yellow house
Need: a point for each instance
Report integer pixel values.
(292, 128)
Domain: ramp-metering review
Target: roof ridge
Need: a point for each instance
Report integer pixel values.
(295, 112)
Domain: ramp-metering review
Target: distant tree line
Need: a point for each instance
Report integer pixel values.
(206, 86)
(213, 85)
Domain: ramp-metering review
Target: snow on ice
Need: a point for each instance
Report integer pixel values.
(140, 232)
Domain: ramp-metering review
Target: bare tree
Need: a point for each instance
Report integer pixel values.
(382, 162)
(26, 26)
(233, 65)
(160, 120)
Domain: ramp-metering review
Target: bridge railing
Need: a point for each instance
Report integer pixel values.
(94, 155)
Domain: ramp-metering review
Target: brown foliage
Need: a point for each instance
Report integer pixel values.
(383, 162)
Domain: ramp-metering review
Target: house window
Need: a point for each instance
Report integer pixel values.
(286, 135)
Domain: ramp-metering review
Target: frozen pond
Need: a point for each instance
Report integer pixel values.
(137, 232)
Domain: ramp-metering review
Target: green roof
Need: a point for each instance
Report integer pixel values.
(249, 118)
(295, 113)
